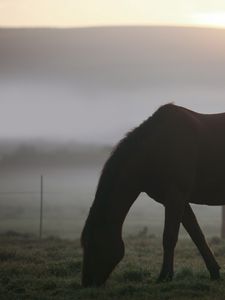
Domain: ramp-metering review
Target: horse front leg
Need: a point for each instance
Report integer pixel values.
(190, 223)
(174, 207)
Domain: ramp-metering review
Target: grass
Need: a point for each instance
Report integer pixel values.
(51, 269)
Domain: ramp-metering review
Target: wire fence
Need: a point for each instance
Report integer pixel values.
(41, 212)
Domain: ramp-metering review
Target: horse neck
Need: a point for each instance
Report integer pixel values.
(111, 210)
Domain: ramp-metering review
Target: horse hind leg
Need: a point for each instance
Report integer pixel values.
(191, 225)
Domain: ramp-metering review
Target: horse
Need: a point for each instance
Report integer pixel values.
(177, 157)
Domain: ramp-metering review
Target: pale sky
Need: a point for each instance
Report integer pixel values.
(82, 13)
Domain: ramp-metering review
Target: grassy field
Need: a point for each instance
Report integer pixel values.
(51, 269)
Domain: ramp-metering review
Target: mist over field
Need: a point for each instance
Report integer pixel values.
(68, 95)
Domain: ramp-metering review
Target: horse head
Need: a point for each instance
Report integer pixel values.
(103, 248)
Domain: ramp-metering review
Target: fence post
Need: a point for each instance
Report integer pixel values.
(223, 223)
(41, 209)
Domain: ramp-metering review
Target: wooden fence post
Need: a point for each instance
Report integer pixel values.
(41, 209)
(223, 223)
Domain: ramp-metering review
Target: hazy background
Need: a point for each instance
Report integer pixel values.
(68, 95)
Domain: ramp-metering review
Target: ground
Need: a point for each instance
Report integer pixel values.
(51, 269)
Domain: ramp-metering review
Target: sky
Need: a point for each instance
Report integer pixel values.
(85, 13)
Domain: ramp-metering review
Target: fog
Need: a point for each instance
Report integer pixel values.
(67, 96)
(54, 110)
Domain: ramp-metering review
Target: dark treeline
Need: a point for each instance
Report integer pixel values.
(55, 154)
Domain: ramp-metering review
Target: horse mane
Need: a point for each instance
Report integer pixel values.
(126, 146)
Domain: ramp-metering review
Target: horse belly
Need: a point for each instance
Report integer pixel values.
(209, 190)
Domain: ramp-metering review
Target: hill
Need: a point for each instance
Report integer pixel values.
(118, 57)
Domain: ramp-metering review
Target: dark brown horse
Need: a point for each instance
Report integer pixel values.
(177, 157)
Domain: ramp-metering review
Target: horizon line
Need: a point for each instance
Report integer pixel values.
(183, 26)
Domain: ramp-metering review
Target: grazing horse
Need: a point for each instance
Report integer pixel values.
(177, 157)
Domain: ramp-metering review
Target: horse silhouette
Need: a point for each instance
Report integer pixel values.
(177, 157)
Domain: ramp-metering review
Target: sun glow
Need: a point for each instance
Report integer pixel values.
(213, 19)
(76, 13)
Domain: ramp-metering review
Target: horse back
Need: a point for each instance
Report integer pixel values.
(204, 137)
(190, 152)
